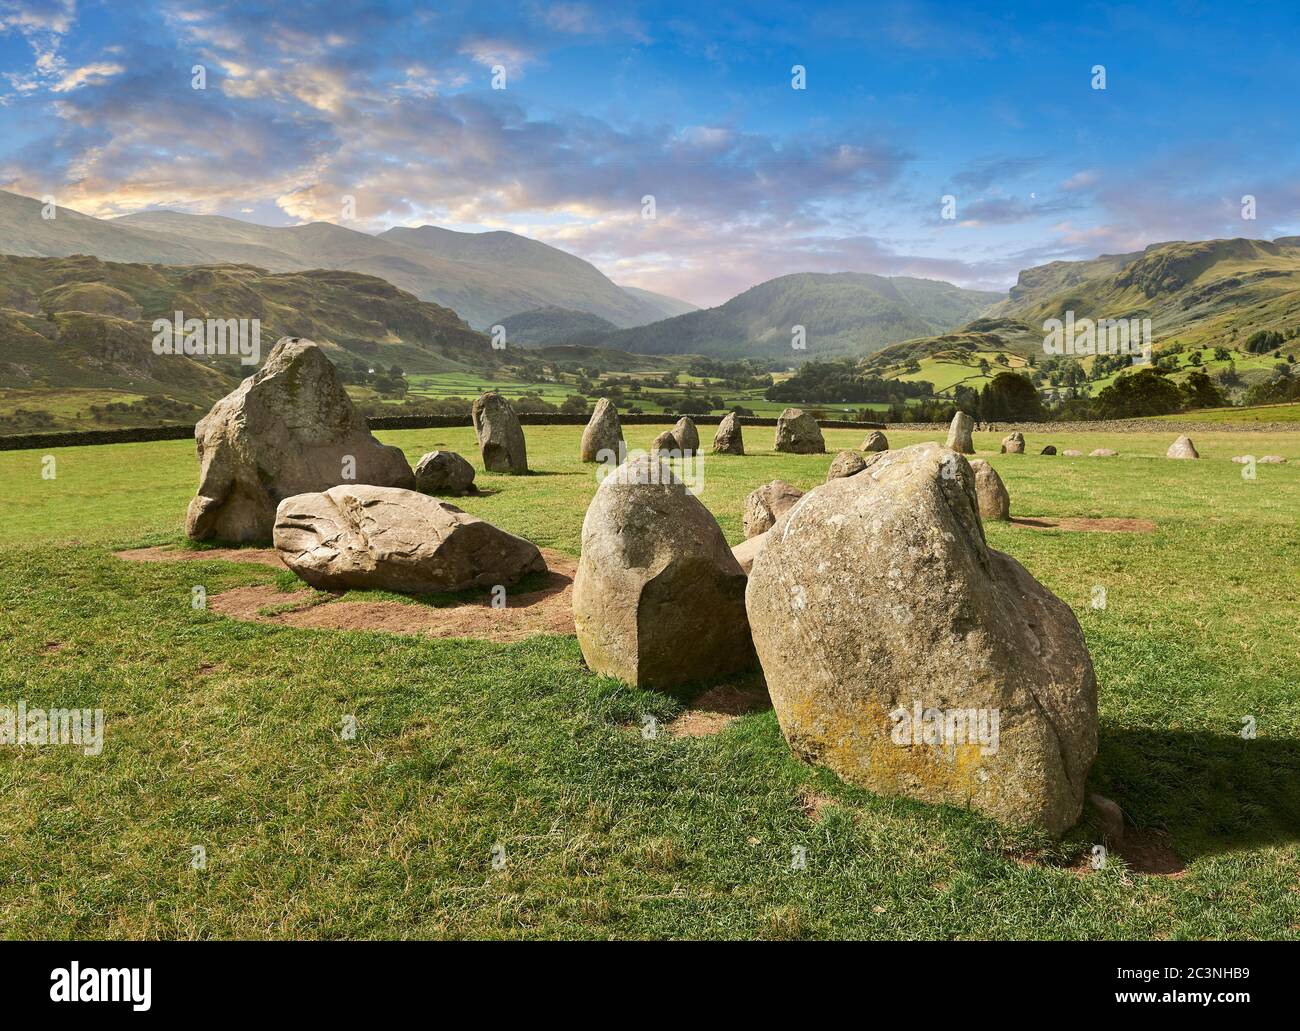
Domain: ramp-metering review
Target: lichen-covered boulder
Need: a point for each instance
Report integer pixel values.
(846, 463)
(797, 433)
(1182, 448)
(991, 492)
(383, 538)
(688, 437)
(658, 599)
(1013, 443)
(908, 657)
(766, 504)
(287, 429)
(729, 440)
(876, 441)
(500, 437)
(444, 474)
(602, 433)
(959, 434)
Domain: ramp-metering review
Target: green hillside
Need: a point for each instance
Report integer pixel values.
(844, 313)
(552, 325)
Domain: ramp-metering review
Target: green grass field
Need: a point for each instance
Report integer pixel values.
(226, 735)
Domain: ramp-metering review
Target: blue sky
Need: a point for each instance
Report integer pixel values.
(605, 103)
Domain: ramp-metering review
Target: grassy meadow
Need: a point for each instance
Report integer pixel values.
(226, 735)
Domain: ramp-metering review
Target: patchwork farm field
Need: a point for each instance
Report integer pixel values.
(503, 790)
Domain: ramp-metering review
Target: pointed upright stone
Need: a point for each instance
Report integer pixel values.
(500, 437)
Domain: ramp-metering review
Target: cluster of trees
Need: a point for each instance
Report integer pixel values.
(841, 382)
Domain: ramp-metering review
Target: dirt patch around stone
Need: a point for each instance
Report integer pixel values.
(260, 556)
(1080, 524)
(545, 610)
(812, 803)
(718, 708)
(1146, 852)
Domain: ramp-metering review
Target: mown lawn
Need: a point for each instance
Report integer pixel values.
(226, 735)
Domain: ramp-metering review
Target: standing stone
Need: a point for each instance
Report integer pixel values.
(688, 437)
(876, 441)
(1050, 449)
(959, 434)
(767, 504)
(846, 463)
(603, 433)
(658, 600)
(1013, 443)
(1182, 448)
(728, 439)
(990, 491)
(797, 433)
(288, 428)
(666, 444)
(500, 437)
(892, 638)
(444, 474)
(383, 538)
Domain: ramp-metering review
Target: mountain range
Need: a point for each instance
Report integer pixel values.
(483, 277)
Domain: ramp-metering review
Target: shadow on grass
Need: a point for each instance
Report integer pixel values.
(1212, 793)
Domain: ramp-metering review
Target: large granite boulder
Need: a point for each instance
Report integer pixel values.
(907, 656)
(728, 440)
(287, 429)
(1013, 443)
(1182, 448)
(959, 434)
(500, 437)
(797, 432)
(991, 492)
(603, 433)
(658, 599)
(847, 463)
(444, 474)
(876, 441)
(688, 437)
(383, 538)
(766, 504)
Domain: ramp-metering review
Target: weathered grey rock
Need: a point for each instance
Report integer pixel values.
(959, 434)
(1050, 449)
(500, 437)
(1109, 818)
(877, 599)
(729, 440)
(658, 599)
(667, 444)
(444, 474)
(846, 464)
(383, 538)
(876, 441)
(767, 504)
(797, 432)
(1071, 453)
(1272, 460)
(749, 549)
(602, 433)
(1182, 448)
(1103, 452)
(991, 492)
(289, 428)
(688, 437)
(1013, 443)
(1243, 459)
